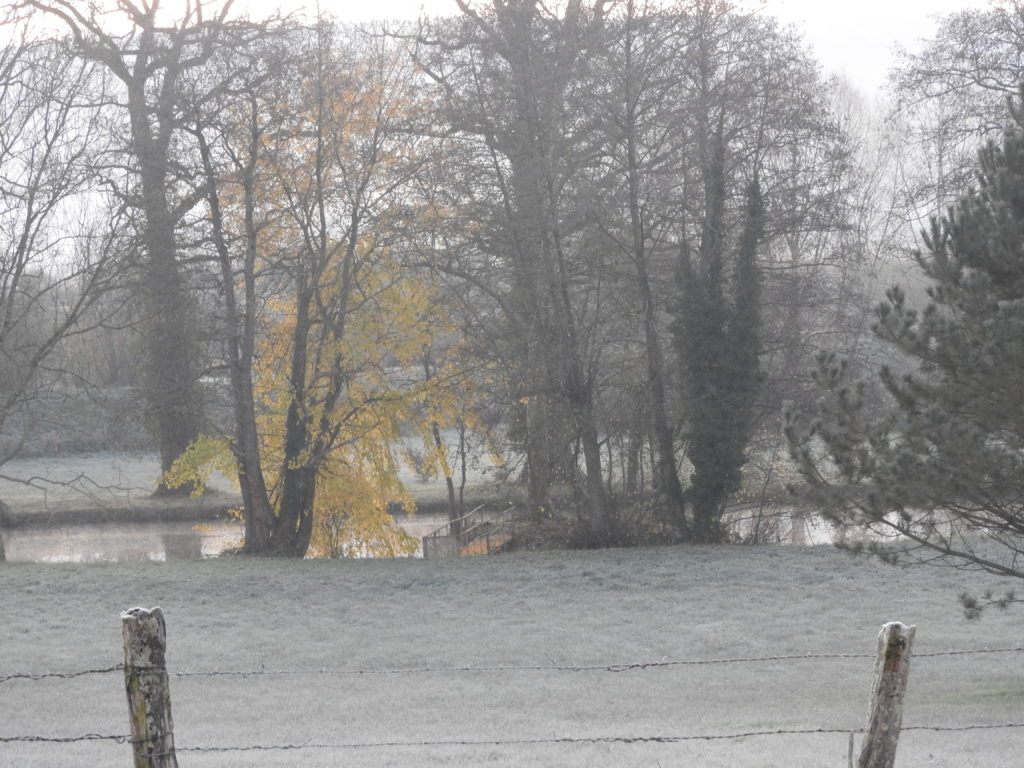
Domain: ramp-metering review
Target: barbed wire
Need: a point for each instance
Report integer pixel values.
(119, 739)
(61, 675)
(552, 740)
(586, 739)
(523, 741)
(973, 652)
(978, 727)
(469, 668)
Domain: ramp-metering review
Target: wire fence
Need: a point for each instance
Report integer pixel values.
(469, 668)
(610, 668)
(127, 739)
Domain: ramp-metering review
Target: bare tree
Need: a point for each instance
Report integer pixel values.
(510, 75)
(699, 101)
(641, 94)
(57, 256)
(154, 63)
(233, 133)
(950, 97)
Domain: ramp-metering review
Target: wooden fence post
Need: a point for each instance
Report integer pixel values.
(149, 695)
(878, 750)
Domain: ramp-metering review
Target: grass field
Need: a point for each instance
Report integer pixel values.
(529, 609)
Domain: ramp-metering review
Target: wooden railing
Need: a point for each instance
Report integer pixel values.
(479, 532)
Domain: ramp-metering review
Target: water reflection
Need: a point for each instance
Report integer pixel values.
(120, 542)
(123, 542)
(139, 542)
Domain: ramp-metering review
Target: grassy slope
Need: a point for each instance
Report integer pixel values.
(568, 608)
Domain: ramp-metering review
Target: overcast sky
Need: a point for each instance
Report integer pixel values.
(857, 38)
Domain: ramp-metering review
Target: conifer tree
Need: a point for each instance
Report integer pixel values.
(933, 465)
(717, 333)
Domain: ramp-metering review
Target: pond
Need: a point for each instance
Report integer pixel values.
(114, 480)
(109, 479)
(126, 542)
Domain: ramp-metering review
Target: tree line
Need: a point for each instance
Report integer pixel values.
(609, 238)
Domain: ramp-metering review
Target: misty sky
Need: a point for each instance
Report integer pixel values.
(855, 38)
(858, 38)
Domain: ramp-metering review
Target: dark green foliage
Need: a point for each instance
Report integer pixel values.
(938, 466)
(717, 333)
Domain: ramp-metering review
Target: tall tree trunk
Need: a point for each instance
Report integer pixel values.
(700, 331)
(720, 345)
(455, 510)
(172, 394)
(667, 476)
(600, 522)
(540, 404)
(257, 514)
(298, 476)
(579, 387)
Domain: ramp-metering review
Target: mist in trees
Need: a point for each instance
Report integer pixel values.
(517, 98)
(600, 152)
(61, 257)
(606, 240)
(950, 97)
(149, 68)
(931, 460)
(923, 453)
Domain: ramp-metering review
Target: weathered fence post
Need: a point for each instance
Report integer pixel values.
(878, 750)
(149, 695)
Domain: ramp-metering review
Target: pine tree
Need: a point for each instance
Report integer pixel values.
(934, 466)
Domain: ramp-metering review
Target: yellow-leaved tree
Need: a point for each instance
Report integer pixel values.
(308, 183)
(355, 441)
(361, 394)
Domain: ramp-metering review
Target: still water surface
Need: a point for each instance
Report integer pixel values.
(127, 542)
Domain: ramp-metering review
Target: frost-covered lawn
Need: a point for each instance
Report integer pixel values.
(530, 609)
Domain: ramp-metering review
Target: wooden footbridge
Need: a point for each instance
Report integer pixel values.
(482, 531)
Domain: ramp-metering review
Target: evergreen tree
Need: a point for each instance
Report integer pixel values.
(717, 333)
(934, 466)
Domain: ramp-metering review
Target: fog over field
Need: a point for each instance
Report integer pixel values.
(377, 625)
(631, 301)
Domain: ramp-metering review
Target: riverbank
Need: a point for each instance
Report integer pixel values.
(101, 508)
(101, 488)
(210, 507)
